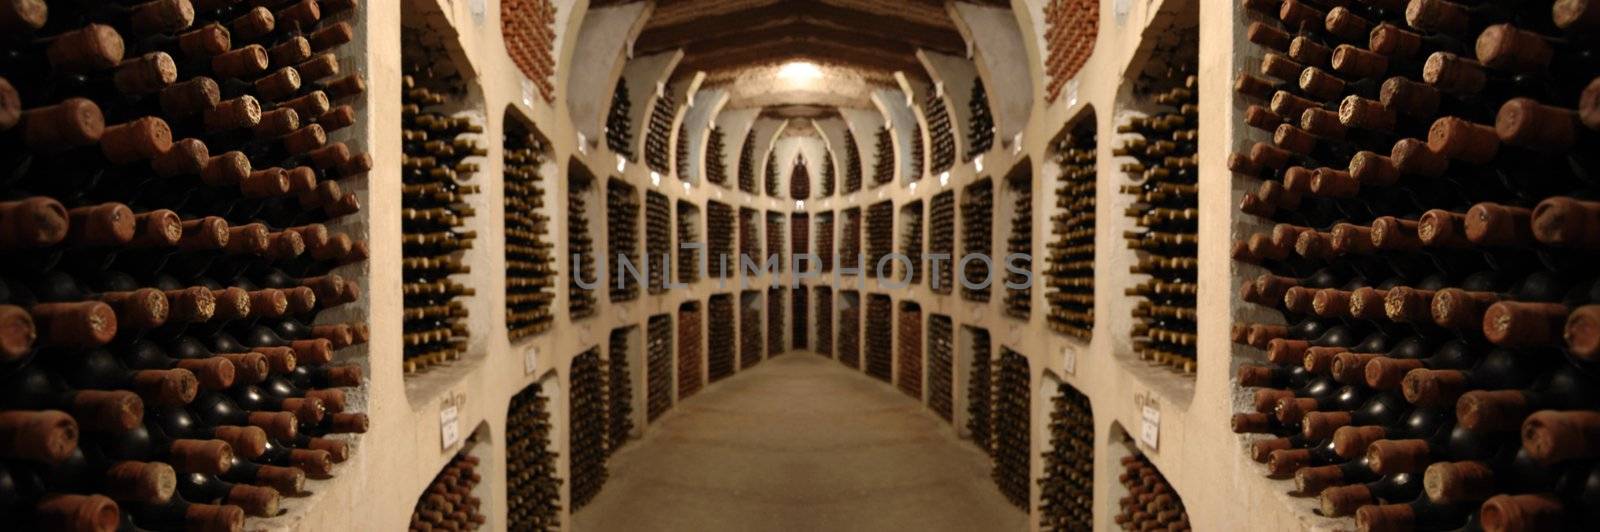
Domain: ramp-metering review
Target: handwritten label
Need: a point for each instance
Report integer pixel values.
(530, 360)
(1149, 420)
(1069, 361)
(450, 420)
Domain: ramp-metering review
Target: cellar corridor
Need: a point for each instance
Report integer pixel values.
(799, 442)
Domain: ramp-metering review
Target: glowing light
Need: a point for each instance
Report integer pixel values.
(685, 186)
(622, 163)
(655, 178)
(977, 163)
(799, 204)
(799, 72)
(944, 179)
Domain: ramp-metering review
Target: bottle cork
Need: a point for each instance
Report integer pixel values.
(205, 41)
(307, 410)
(1440, 228)
(83, 325)
(1351, 442)
(248, 238)
(87, 49)
(331, 35)
(142, 482)
(1521, 324)
(145, 308)
(161, 16)
(190, 97)
(232, 303)
(136, 140)
(169, 387)
(1351, 368)
(1454, 74)
(92, 513)
(146, 74)
(48, 436)
(248, 368)
(185, 157)
(305, 139)
(1394, 41)
(253, 24)
(57, 128)
(320, 66)
(214, 374)
(210, 232)
(241, 63)
(231, 168)
(282, 246)
(279, 425)
(290, 52)
(239, 113)
(280, 84)
(1386, 517)
(1340, 501)
(1504, 47)
(214, 518)
(23, 16)
(32, 223)
(1408, 305)
(1552, 436)
(301, 299)
(1582, 332)
(314, 352)
(1385, 373)
(279, 359)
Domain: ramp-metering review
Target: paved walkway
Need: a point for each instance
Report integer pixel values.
(799, 443)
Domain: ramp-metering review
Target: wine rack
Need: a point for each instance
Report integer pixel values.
(658, 239)
(850, 241)
(919, 153)
(883, 156)
(800, 240)
(977, 238)
(910, 349)
(719, 358)
(911, 238)
(1151, 503)
(587, 433)
(533, 485)
(690, 333)
(658, 362)
(719, 240)
(1019, 301)
(775, 332)
(824, 321)
(1066, 489)
(943, 155)
(880, 358)
(155, 289)
(799, 179)
(622, 238)
(689, 233)
(769, 174)
(448, 503)
(1070, 273)
(1071, 27)
(1448, 389)
(980, 398)
(829, 174)
(852, 165)
(1012, 428)
(619, 389)
(880, 237)
(941, 366)
(530, 264)
(747, 164)
(850, 328)
(750, 338)
(824, 244)
(942, 240)
(658, 136)
(529, 29)
(434, 211)
(800, 309)
(775, 239)
(619, 122)
(581, 302)
(680, 155)
(750, 238)
(980, 138)
(716, 165)
(1164, 170)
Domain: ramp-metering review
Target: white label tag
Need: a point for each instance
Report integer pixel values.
(1150, 428)
(530, 360)
(527, 92)
(1072, 93)
(449, 427)
(1069, 361)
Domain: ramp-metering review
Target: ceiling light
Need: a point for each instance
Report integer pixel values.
(799, 72)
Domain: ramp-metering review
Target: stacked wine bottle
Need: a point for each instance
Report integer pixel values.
(800, 309)
(747, 164)
(776, 246)
(850, 240)
(800, 240)
(980, 405)
(1066, 490)
(1012, 431)
(918, 153)
(824, 243)
(1431, 177)
(824, 321)
(829, 175)
(1151, 503)
(581, 302)
(533, 486)
(619, 122)
(943, 155)
(680, 156)
(1019, 301)
(688, 269)
(880, 238)
(622, 238)
(658, 239)
(942, 240)
(691, 332)
(909, 353)
(852, 164)
(883, 156)
(530, 261)
(433, 211)
(619, 389)
(721, 261)
(1165, 208)
(799, 179)
(448, 503)
(980, 136)
(716, 168)
(719, 355)
(880, 341)
(159, 366)
(750, 338)
(587, 430)
(850, 328)
(941, 363)
(658, 366)
(1071, 27)
(658, 136)
(769, 174)
(977, 238)
(911, 239)
(775, 315)
(1070, 274)
(529, 29)
(749, 239)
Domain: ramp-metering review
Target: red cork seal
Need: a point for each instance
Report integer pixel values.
(1385, 373)
(1504, 47)
(1464, 140)
(1443, 229)
(1454, 308)
(1389, 457)
(215, 373)
(249, 368)
(1551, 436)
(1453, 74)
(1340, 501)
(87, 513)
(1394, 41)
(1454, 482)
(1413, 156)
(47, 436)
(1527, 123)
(248, 442)
(57, 128)
(186, 157)
(1492, 410)
(1582, 332)
(232, 303)
(166, 387)
(16, 333)
(1351, 442)
(230, 168)
(1404, 96)
(214, 518)
(87, 49)
(1434, 387)
(1408, 305)
(1386, 517)
(1518, 324)
(83, 325)
(142, 482)
(1351, 368)
(1576, 15)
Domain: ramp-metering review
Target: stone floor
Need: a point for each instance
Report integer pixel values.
(799, 442)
